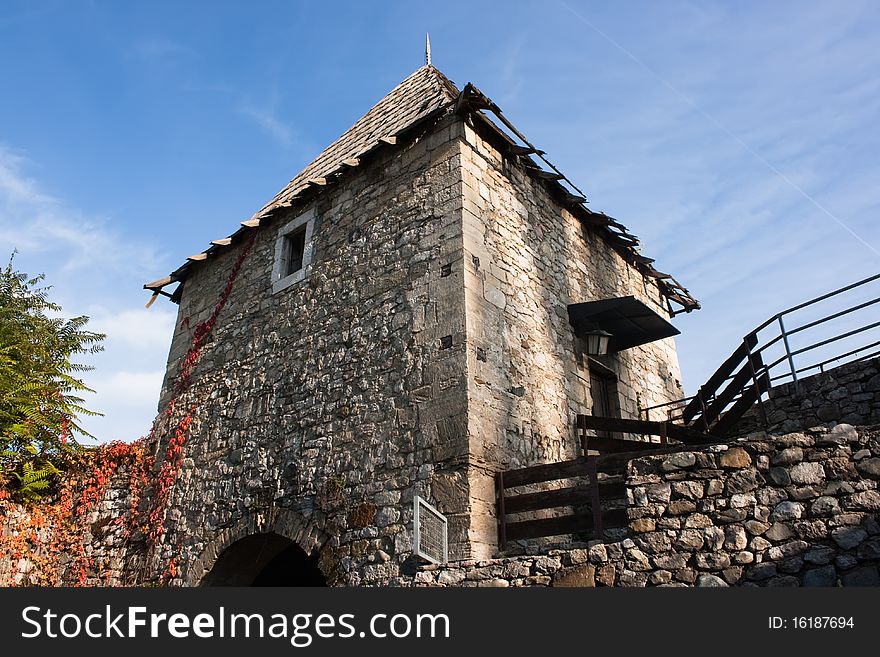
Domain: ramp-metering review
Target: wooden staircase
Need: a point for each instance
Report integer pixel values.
(735, 386)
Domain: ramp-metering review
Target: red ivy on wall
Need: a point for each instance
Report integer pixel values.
(39, 539)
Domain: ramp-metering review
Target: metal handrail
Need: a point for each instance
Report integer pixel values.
(789, 353)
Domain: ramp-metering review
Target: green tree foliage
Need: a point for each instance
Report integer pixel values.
(40, 390)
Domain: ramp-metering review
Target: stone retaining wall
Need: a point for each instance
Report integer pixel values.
(793, 510)
(108, 557)
(849, 393)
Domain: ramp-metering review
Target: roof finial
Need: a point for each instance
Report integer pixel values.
(427, 49)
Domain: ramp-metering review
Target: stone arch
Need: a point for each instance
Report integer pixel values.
(284, 523)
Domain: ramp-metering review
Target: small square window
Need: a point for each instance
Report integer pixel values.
(295, 247)
(293, 251)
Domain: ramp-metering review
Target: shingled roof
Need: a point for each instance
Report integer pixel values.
(417, 97)
(428, 93)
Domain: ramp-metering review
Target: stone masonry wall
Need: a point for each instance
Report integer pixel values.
(801, 509)
(106, 557)
(849, 393)
(334, 401)
(427, 347)
(526, 258)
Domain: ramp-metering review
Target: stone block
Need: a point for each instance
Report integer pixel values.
(671, 561)
(819, 555)
(713, 538)
(849, 537)
(659, 577)
(735, 457)
(689, 539)
(761, 571)
(743, 481)
(579, 576)
(825, 576)
(450, 577)
(811, 530)
(779, 532)
(825, 506)
(788, 456)
(869, 467)
(744, 557)
(697, 520)
(807, 473)
(678, 461)
(828, 412)
(864, 576)
(787, 511)
(659, 492)
(841, 434)
(756, 527)
(735, 538)
(681, 507)
(686, 575)
(692, 490)
(710, 581)
(605, 575)
(779, 552)
(869, 500)
(711, 560)
(870, 549)
(779, 476)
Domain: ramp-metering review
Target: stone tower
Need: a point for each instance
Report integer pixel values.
(403, 323)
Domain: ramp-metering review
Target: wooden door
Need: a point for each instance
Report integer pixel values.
(600, 389)
(603, 390)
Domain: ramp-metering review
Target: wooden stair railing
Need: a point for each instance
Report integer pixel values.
(708, 390)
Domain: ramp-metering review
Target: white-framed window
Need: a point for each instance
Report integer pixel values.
(293, 251)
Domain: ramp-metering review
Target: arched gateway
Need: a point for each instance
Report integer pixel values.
(265, 560)
(277, 548)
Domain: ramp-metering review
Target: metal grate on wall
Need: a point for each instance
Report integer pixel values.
(429, 532)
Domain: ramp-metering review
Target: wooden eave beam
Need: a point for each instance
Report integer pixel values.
(522, 151)
(159, 283)
(545, 175)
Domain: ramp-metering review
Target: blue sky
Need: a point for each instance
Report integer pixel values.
(739, 140)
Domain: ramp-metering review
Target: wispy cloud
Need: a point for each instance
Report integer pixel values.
(268, 118)
(15, 187)
(269, 122)
(154, 48)
(97, 271)
(128, 400)
(138, 329)
(511, 74)
(34, 221)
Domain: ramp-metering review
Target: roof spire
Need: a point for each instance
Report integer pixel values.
(427, 49)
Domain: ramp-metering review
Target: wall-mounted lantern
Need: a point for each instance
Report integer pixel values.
(597, 342)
